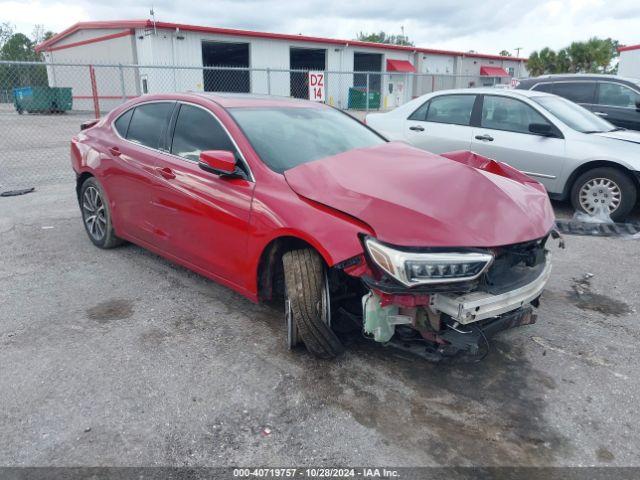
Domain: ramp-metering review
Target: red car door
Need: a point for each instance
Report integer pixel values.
(205, 216)
(131, 178)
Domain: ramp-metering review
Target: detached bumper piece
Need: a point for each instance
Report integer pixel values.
(470, 339)
(575, 227)
(476, 306)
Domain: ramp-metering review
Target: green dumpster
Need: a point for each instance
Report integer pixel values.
(42, 99)
(358, 99)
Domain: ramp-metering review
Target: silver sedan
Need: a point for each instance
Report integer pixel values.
(572, 152)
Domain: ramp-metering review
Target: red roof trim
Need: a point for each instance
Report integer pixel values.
(628, 47)
(249, 33)
(400, 66)
(103, 38)
(487, 71)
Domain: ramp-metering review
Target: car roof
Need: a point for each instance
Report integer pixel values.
(507, 92)
(232, 100)
(580, 76)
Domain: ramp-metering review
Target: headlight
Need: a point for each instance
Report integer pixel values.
(415, 268)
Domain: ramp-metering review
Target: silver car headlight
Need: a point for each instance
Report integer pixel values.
(416, 268)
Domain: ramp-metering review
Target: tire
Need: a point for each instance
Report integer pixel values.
(605, 184)
(94, 204)
(20, 111)
(307, 303)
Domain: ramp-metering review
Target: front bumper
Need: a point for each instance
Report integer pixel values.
(475, 306)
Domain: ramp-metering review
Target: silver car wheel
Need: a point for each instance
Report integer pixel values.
(598, 192)
(94, 214)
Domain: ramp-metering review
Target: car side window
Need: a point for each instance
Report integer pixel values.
(543, 87)
(197, 130)
(578, 92)
(509, 114)
(617, 95)
(452, 109)
(421, 113)
(122, 123)
(148, 123)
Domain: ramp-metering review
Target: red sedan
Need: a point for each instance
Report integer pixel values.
(287, 199)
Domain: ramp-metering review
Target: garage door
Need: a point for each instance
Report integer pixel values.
(225, 54)
(304, 59)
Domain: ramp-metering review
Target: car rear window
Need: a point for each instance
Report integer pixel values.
(148, 123)
(290, 136)
(579, 92)
(452, 109)
(122, 123)
(543, 87)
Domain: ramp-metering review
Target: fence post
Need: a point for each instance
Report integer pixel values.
(326, 90)
(367, 95)
(268, 81)
(94, 91)
(122, 89)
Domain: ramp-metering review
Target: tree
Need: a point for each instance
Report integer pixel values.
(40, 35)
(6, 30)
(593, 56)
(382, 37)
(535, 65)
(18, 47)
(505, 53)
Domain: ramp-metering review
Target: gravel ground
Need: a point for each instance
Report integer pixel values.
(119, 358)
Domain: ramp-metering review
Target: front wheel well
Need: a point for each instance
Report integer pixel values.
(80, 179)
(270, 272)
(590, 166)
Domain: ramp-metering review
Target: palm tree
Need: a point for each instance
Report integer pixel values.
(535, 65)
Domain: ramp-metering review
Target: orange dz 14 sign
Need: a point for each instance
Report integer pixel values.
(316, 86)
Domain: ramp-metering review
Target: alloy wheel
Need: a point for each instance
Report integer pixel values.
(94, 214)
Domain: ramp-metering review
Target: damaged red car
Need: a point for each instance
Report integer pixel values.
(293, 200)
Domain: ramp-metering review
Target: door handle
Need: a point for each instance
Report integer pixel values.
(167, 173)
(601, 114)
(417, 128)
(487, 138)
(115, 151)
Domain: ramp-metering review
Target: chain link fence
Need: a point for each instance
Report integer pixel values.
(42, 105)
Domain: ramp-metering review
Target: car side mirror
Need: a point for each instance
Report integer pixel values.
(638, 105)
(219, 162)
(543, 129)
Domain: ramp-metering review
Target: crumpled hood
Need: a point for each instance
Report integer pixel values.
(626, 135)
(410, 197)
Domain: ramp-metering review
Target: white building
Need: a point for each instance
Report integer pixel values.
(629, 63)
(268, 55)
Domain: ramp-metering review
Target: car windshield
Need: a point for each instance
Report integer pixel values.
(287, 137)
(573, 115)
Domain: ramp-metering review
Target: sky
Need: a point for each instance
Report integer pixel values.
(486, 26)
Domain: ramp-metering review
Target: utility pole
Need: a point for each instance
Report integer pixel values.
(517, 49)
(153, 19)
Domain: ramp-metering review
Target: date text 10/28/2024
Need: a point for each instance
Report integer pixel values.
(315, 473)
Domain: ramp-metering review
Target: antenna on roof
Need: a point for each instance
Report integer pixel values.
(153, 19)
